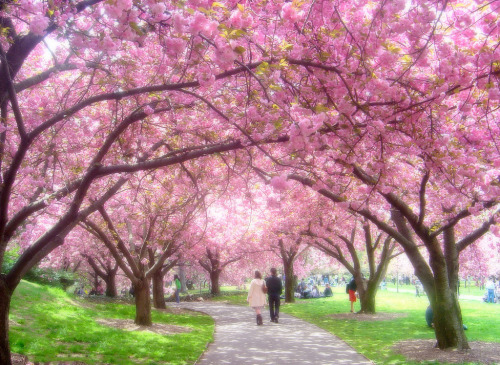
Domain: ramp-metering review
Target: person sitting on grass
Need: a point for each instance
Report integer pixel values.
(328, 291)
(429, 317)
(315, 292)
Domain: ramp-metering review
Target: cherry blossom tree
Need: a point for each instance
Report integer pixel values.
(440, 276)
(105, 269)
(90, 90)
(154, 228)
(230, 236)
(347, 249)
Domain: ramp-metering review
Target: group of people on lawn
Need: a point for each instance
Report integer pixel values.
(311, 290)
(273, 287)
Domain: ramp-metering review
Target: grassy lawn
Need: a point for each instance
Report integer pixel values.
(471, 288)
(48, 325)
(374, 339)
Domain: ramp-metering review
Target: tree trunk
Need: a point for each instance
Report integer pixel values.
(367, 298)
(289, 282)
(448, 323)
(142, 303)
(158, 291)
(214, 279)
(96, 281)
(5, 298)
(110, 281)
(182, 278)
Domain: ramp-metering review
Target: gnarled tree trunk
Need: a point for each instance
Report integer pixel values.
(367, 298)
(439, 280)
(142, 303)
(158, 292)
(214, 281)
(110, 281)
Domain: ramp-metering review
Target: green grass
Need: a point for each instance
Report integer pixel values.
(374, 339)
(48, 325)
(471, 288)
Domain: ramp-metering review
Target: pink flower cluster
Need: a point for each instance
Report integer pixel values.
(279, 183)
(39, 24)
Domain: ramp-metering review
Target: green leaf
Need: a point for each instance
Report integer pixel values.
(240, 50)
(216, 4)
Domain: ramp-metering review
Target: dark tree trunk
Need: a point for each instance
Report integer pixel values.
(110, 281)
(182, 278)
(214, 280)
(448, 323)
(289, 281)
(142, 303)
(5, 298)
(367, 298)
(158, 291)
(96, 281)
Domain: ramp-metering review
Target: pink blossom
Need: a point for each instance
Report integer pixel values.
(197, 23)
(379, 125)
(179, 22)
(39, 24)
(225, 56)
(279, 183)
(124, 4)
(235, 20)
(290, 13)
(494, 93)
(108, 44)
(148, 110)
(175, 46)
(157, 9)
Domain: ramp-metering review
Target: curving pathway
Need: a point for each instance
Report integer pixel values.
(238, 340)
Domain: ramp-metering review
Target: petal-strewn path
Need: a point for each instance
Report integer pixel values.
(238, 340)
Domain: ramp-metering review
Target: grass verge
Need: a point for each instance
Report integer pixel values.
(48, 325)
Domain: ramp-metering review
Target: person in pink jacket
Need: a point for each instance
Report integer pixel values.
(256, 296)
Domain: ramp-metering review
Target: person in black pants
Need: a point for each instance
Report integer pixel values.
(274, 289)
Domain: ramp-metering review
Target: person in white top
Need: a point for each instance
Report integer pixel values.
(490, 287)
(256, 296)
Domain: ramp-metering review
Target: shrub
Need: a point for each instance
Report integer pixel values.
(59, 278)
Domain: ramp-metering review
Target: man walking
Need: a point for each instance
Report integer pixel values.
(274, 289)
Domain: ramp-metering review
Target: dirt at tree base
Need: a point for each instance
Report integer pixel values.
(368, 317)
(424, 350)
(18, 359)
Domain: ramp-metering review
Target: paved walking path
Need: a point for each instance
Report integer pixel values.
(238, 340)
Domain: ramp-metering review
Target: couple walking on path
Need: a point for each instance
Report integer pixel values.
(257, 295)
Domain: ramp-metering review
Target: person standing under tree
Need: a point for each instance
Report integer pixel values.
(490, 288)
(274, 289)
(256, 296)
(351, 290)
(177, 283)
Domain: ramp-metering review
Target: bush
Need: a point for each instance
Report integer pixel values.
(58, 278)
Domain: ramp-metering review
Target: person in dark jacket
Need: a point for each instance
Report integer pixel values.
(351, 290)
(274, 289)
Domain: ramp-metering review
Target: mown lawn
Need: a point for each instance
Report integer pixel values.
(374, 339)
(49, 325)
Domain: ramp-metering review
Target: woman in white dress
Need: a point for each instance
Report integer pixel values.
(256, 296)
